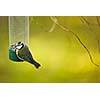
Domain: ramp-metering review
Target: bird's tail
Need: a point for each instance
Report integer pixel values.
(37, 65)
(32, 61)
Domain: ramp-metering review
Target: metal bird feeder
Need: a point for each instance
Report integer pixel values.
(18, 31)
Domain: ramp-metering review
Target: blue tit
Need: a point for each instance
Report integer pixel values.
(23, 53)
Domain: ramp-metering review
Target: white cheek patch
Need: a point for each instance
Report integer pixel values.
(19, 47)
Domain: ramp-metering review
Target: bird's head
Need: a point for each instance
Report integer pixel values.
(19, 45)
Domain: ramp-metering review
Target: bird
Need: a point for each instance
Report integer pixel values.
(23, 53)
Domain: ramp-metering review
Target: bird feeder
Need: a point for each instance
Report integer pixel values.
(18, 31)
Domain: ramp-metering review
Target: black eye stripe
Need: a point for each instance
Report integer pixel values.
(19, 42)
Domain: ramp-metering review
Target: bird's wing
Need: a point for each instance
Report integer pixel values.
(25, 53)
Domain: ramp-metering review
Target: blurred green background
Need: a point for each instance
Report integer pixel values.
(62, 57)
